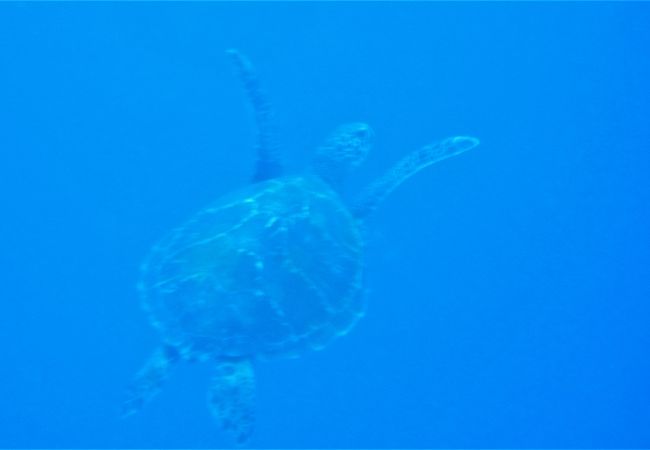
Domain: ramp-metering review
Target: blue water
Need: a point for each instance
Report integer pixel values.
(508, 288)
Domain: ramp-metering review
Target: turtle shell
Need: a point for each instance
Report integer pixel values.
(272, 270)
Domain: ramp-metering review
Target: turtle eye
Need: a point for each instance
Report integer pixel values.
(362, 132)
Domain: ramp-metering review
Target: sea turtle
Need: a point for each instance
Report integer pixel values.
(272, 270)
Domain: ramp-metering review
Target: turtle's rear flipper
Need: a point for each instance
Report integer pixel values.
(232, 397)
(149, 379)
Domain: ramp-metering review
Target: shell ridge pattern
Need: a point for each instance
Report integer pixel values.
(177, 234)
(281, 316)
(284, 225)
(318, 289)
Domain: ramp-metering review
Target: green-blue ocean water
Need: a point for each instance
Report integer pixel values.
(508, 288)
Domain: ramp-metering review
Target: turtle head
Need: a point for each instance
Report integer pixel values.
(345, 149)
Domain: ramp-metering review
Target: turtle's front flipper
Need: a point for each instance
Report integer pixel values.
(149, 379)
(232, 398)
(268, 161)
(404, 169)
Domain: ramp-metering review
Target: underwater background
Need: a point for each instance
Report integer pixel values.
(508, 288)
